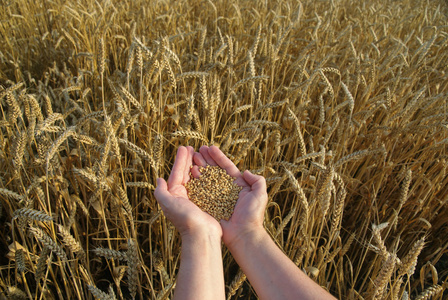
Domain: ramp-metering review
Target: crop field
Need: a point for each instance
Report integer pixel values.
(341, 105)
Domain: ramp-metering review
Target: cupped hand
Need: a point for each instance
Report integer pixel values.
(173, 199)
(248, 214)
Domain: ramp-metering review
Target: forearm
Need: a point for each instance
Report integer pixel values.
(201, 271)
(272, 274)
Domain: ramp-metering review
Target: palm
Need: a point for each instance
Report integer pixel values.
(249, 209)
(173, 197)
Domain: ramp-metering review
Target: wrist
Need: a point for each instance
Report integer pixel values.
(201, 233)
(252, 235)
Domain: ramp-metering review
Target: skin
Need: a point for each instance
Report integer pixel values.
(272, 274)
(201, 270)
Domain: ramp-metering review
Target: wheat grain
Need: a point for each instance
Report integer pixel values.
(99, 294)
(383, 276)
(236, 284)
(409, 262)
(20, 260)
(58, 142)
(214, 192)
(133, 267)
(29, 213)
(71, 242)
(285, 222)
(111, 254)
(302, 198)
(41, 263)
(101, 56)
(139, 151)
(40, 235)
(405, 189)
(323, 189)
(160, 267)
(430, 292)
(14, 293)
(11, 194)
(298, 132)
(14, 110)
(190, 134)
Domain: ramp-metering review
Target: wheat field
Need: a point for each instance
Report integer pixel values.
(341, 105)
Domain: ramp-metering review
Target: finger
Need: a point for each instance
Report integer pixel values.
(177, 172)
(195, 172)
(161, 192)
(188, 164)
(257, 182)
(204, 151)
(199, 160)
(223, 161)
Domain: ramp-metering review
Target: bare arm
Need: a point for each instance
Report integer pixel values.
(201, 271)
(272, 274)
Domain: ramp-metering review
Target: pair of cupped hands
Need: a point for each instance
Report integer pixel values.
(189, 219)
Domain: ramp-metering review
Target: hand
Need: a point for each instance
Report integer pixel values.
(173, 198)
(249, 210)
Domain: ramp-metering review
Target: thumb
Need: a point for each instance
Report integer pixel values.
(224, 223)
(161, 190)
(257, 182)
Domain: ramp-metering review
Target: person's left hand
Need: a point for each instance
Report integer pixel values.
(177, 207)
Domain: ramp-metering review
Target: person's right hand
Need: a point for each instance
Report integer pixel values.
(172, 196)
(249, 210)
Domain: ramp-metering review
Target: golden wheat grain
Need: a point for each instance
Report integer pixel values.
(298, 131)
(19, 150)
(41, 263)
(139, 151)
(285, 222)
(404, 189)
(71, 242)
(214, 192)
(347, 245)
(243, 151)
(323, 189)
(79, 202)
(409, 262)
(122, 195)
(338, 209)
(101, 56)
(165, 292)
(20, 260)
(11, 194)
(190, 134)
(14, 293)
(58, 142)
(99, 294)
(29, 213)
(160, 267)
(140, 184)
(247, 80)
(133, 267)
(47, 241)
(378, 239)
(430, 292)
(236, 284)
(383, 276)
(14, 110)
(302, 198)
(203, 34)
(111, 254)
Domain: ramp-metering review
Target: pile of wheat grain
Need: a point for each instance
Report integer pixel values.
(340, 105)
(214, 192)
